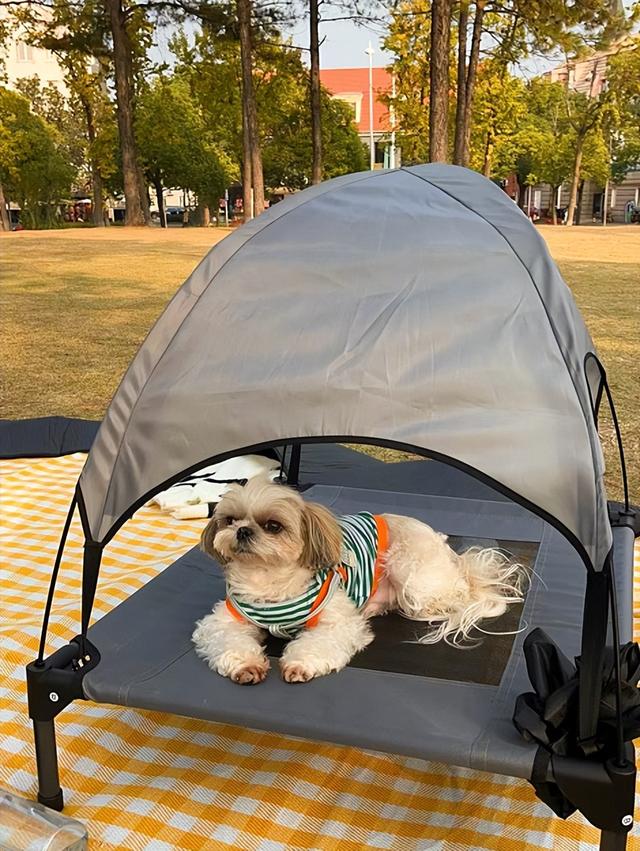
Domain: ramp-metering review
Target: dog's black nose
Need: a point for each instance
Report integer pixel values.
(244, 533)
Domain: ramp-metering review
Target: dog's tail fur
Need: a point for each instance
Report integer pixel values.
(493, 582)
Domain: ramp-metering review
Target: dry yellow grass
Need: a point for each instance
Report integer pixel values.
(75, 304)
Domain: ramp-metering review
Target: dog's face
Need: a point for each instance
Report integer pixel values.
(265, 524)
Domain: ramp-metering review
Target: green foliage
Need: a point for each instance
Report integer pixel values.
(176, 146)
(623, 75)
(512, 31)
(499, 111)
(33, 168)
(546, 143)
(65, 115)
(409, 41)
(77, 35)
(210, 66)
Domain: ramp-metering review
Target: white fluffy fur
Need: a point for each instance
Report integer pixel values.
(423, 579)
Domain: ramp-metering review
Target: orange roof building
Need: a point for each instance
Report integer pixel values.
(351, 85)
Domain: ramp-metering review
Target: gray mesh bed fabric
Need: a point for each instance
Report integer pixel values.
(148, 660)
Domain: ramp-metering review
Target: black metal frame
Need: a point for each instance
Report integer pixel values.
(602, 791)
(52, 684)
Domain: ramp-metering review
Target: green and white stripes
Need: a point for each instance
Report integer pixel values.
(359, 550)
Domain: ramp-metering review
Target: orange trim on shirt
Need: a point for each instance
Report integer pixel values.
(233, 611)
(322, 593)
(383, 543)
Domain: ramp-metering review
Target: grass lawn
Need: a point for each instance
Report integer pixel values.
(75, 305)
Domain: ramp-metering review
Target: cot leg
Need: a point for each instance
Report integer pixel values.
(49, 791)
(610, 841)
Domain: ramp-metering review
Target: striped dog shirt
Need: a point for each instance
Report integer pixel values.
(364, 541)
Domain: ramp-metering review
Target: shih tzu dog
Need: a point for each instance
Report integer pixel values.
(298, 572)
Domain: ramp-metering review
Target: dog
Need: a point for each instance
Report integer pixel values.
(294, 569)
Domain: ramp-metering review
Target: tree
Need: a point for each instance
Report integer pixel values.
(409, 40)
(314, 90)
(501, 31)
(545, 140)
(175, 145)
(5, 31)
(439, 80)
(88, 87)
(623, 126)
(121, 21)
(5, 224)
(33, 168)
(466, 77)
(253, 203)
(499, 112)
(584, 115)
(211, 68)
(288, 154)
(78, 33)
(83, 118)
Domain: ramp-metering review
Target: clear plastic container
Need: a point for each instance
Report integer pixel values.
(27, 826)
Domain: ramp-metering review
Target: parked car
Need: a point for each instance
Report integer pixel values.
(174, 215)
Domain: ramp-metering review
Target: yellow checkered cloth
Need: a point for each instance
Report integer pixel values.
(144, 780)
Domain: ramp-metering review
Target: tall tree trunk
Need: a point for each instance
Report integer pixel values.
(579, 202)
(249, 103)
(463, 23)
(5, 223)
(554, 215)
(97, 213)
(96, 176)
(247, 182)
(472, 73)
(157, 185)
(488, 154)
(137, 205)
(204, 215)
(575, 180)
(314, 78)
(439, 81)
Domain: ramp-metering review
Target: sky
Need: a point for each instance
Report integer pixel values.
(343, 46)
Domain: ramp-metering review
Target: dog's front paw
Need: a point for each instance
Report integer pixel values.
(243, 669)
(248, 675)
(297, 672)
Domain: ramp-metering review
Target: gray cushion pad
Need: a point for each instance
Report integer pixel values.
(148, 659)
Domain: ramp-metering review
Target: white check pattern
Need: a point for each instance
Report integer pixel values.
(151, 782)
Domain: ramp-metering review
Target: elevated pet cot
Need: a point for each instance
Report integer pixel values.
(416, 309)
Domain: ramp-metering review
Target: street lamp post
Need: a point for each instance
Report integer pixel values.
(392, 115)
(372, 149)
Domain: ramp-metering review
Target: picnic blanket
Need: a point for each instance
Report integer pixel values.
(155, 782)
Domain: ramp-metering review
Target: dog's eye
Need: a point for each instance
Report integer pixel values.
(273, 527)
(228, 521)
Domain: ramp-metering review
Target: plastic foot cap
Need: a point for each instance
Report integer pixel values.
(55, 802)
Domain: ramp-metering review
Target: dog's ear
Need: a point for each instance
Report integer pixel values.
(206, 540)
(322, 537)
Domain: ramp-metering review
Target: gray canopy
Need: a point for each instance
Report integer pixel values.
(418, 307)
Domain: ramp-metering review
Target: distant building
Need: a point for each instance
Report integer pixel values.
(351, 85)
(20, 59)
(589, 76)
